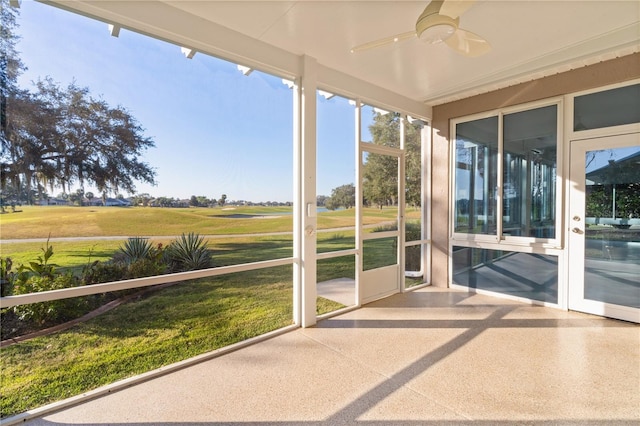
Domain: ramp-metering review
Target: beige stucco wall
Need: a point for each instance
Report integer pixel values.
(590, 77)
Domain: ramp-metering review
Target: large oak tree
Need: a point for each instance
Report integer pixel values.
(59, 136)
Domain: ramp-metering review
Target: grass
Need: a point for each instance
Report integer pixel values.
(66, 221)
(71, 254)
(61, 221)
(339, 267)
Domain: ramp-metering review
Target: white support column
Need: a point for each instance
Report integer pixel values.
(297, 201)
(305, 221)
(425, 193)
(358, 165)
(402, 203)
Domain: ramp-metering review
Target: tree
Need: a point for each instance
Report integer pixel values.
(61, 136)
(141, 199)
(380, 172)
(10, 65)
(58, 136)
(200, 201)
(222, 200)
(413, 164)
(89, 196)
(329, 204)
(380, 180)
(203, 201)
(342, 196)
(616, 191)
(77, 197)
(164, 202)
(10, 69)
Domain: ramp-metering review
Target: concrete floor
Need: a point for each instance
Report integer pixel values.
(430, 357)
(341, 290)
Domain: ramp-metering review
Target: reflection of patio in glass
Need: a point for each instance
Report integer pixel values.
(612, 264)
(532, 276)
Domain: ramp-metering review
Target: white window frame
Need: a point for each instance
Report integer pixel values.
(497, 240)
(572, 135)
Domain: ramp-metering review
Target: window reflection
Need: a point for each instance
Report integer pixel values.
(526, 275)
(530, 161)
(612, 244)
(608, 108)
(528, 179)
(476, 176)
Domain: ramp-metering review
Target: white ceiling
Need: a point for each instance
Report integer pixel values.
(529, 38)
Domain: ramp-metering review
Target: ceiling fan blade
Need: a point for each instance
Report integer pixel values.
(468, 44)
(455, 8)
(383, 41)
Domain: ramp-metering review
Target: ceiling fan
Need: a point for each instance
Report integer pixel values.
(436, 24)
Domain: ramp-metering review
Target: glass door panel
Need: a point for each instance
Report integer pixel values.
(605, 227)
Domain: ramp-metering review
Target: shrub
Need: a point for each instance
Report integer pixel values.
(188, 253)
(103, 272)
(137, 258)
(117, 269)
(145, 268)
(413, 231)
(136, 248)
(49, 312)
(42, 267)
(386, 227)
(412, 254)
(7, 277)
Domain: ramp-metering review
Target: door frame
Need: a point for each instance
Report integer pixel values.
(374, 279)
(576, 226)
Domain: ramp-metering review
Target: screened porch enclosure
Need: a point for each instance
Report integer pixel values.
(468, 264)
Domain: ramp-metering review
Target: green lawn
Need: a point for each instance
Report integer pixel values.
(216, 223)
(65, 221)
(72, 254)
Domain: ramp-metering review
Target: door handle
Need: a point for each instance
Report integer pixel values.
(577, 231)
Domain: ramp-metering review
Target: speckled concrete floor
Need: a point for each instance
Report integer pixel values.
(429, 357)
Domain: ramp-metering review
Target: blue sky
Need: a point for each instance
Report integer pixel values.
(216, 130)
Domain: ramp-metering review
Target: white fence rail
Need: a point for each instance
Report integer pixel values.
(66, 293)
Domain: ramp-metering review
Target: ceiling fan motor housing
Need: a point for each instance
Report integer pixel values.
(432, 27)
